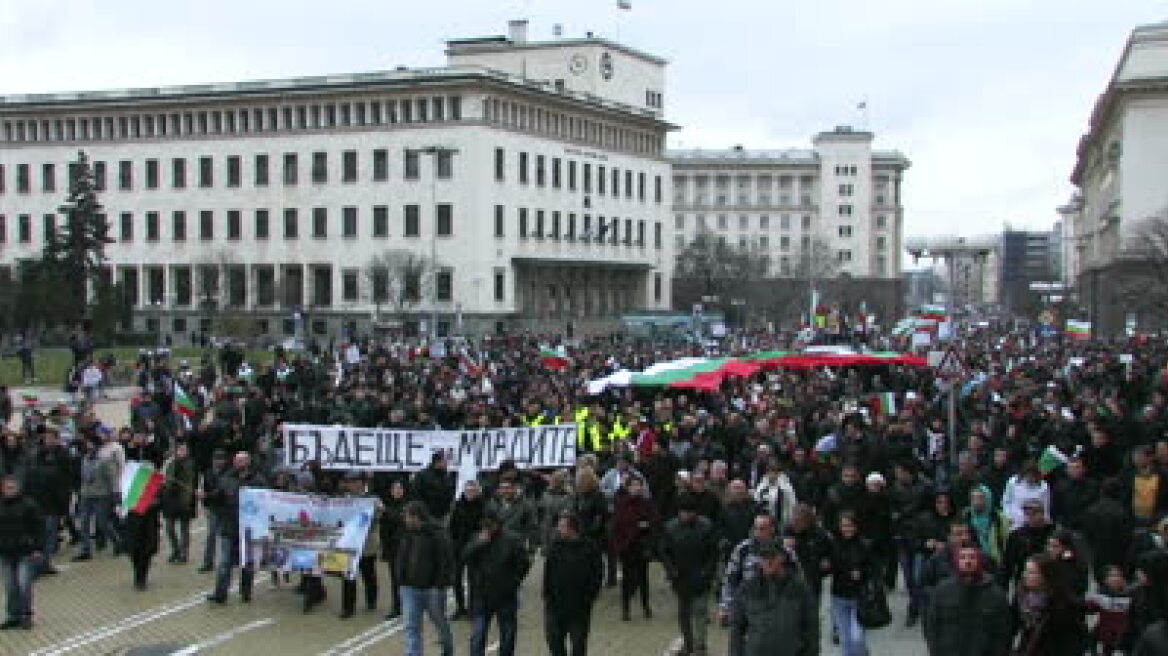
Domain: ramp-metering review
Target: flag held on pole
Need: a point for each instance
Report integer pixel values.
(140, 486)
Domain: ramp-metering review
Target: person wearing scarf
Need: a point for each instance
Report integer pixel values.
(990, 527)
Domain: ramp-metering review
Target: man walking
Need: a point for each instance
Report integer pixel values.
(226, 493)
(689, 552)
(211, 504)
(423, 568)
(497, 562)
(773, 613)
(968, 614)
(178, 501)
(21, 542)
(572, 577)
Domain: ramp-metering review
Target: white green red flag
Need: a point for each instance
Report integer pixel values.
(140, 486)
(183, 403)
(556, 358)
(1078, 329)
(1050, 460)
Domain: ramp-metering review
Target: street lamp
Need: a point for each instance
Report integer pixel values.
(436, 152)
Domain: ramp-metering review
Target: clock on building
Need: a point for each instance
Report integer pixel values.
(578, 64)
(606, 66)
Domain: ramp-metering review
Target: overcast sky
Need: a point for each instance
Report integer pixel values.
(986, 97)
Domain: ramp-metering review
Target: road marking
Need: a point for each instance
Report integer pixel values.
(121, 626)
(222, 637)
(347, 646)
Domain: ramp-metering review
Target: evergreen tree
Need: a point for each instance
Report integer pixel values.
(75, 253)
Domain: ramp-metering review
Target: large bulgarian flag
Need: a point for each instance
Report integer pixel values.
(140, 486)
(1078, 329)
(556, 358)
(183, 403)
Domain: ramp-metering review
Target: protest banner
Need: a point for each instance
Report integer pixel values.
(303, 533)
(392, 450)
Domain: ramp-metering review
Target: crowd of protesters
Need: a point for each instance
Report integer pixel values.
(755, 500)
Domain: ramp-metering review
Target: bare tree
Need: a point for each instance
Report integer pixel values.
(398, 279)
(711, 267)
(211, 273)
(1143, 285)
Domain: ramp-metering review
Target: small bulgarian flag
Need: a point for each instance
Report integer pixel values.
(885, 403)
(554, 358)
(30, 399)
(1050, 460)
(183, 403)
(140, 485)
(1078, 329)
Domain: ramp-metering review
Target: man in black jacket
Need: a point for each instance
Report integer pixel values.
(49, 482)
(21, 544)
(422, 566)
(465, 520)
(434, 486)
(498, 562)
(1024, 542)
(774, 612)
(572, 576)
(212, 505)
(968, 614)
(689, 552)
(226, 494)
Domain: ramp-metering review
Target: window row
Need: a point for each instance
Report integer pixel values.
(762, 183)
(784, 222)
(561, 125)
(701, 199)
(555, 226)
(271, 118)
(558, 173)
(230, 172)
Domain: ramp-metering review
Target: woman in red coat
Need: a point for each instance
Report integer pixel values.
(634, 529)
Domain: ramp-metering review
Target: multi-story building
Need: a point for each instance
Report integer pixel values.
(1029, 270)
(1119, 178)
(832, 211)
(966, 266)
(523, 185)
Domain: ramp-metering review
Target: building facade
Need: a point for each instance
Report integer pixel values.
(832, 212)
(522, 186)
(1118, 174)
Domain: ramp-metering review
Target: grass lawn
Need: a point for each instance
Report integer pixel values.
(53, 363)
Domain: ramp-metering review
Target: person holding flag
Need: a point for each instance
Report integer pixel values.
(140, 487)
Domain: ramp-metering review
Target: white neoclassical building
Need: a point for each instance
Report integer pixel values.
(532, 173)
(1119, 176)
(841, 193)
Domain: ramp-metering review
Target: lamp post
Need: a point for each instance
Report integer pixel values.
(436, 153)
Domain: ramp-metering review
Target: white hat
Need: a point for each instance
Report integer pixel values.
(874, 477)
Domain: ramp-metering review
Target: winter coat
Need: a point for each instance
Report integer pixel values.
(518, 517)
(847, 558)
(424, 558)
(178, 491)
(49, 480)
(142, 531)
(435, 488)
(465, 520)
(592, 510)
(812, 547)
(1154, 641)
(22, 531)
(689, 552)
(1071, 498)
(98, 477)
(968, 620)
(774, 617)
(551, 505)
(572, 576)
(1023, 543)
(1108, 530)
(392, 527)
(226, 494)
(1060, 630)
(626, 535)
(496, 568)
(737, 520)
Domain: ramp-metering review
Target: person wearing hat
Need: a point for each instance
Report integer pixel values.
(689, 552)
(497, 561)
(1025, 541)
(774, 613)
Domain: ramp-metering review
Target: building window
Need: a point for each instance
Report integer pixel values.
(656, 287)
(540, 174)
(657, 235)
(48, 177)
(349, 222)
(322, 286)
(679, 222)
(845, 231)
(500, 164)
(127, 228)
(291, 224)
(50, 228)
(234, 225)
(539, 233)
(444, 164)
(523, 223)
(349, 166)
(379, 283)
(844, 256)
(556, 171)
(412, 221)
(206, 225)
(743, 222)
(784, 222)
(380, 221)
(523, 168)
(845, 210)
(319, 222)
(723, 222)
(764, 222)
(152, 174)
(806, 221)
(380, 165)
(319, 167)
(153, 228)
(233, 171)
(349, 286)
(206, 172)
(657, 193)
(178, 226)
(881, 222)
(261, 170)
(412, 164)
(23, 183)
(444, 219)
(881, 243)
(499, 221)
(24, 228)
(99, 176)
(261, 224)
(500, 286)
(291, 175)
(444, 285)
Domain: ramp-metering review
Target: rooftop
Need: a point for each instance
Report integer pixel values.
(783, 156)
